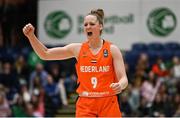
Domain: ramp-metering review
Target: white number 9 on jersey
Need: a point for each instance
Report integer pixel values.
(94, 82)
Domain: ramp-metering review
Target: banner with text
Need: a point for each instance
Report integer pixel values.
(126, 21)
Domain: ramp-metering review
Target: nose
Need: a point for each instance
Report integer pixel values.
(88, 26)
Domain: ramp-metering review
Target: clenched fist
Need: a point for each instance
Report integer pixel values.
(28, 30)
(116, 87)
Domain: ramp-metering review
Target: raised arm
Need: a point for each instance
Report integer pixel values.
(58, 53)
(119, 70)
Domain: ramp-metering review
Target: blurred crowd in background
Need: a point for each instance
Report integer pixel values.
(32, 87)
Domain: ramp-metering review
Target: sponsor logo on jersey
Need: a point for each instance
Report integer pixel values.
(94, 94)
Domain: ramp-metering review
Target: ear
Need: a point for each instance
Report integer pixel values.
(101, 27)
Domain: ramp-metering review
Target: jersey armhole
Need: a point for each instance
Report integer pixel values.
(80, 51)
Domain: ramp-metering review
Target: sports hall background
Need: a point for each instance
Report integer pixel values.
(33, 87)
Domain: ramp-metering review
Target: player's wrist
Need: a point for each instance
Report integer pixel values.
(30, 36)
(122, 85)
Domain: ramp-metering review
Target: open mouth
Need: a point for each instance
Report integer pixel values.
(89, 33)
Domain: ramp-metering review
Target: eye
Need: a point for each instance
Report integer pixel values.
(85, 24)
(92, 24)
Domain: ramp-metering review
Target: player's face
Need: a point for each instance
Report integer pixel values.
(91, 26)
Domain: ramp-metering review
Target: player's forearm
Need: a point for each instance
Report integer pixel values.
(38, 47)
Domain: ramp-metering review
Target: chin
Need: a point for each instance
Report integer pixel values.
(90, 37)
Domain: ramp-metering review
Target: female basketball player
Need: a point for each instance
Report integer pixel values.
(100, 67)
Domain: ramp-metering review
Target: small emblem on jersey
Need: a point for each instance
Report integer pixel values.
(93, 61)
(105, 51)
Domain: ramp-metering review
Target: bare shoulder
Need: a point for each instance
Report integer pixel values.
(114, 49)
(74, 45)
(74, 48)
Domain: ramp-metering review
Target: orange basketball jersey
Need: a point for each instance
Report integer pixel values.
(95, 72)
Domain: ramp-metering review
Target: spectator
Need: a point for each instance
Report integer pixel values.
(62, 89)
(59, 79)
(18, 108)
(52, 99)
(129, 72)
(25, 93)
(54, 70)
(159, 68)
(29, 109)
(169, 105)
(124, 105)
(150, 87)
(5, 110)
(143, 62)
(158, 106)
(177, 100)
(1, 35)
(9, 80)
(134, 96)
(21, 68)
(176, 68)
(70, 84)
(143, 109)
(38, 78)
(33, 60)
(38, 105)
(177, 113)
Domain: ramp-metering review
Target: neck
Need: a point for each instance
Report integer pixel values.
(95, 43)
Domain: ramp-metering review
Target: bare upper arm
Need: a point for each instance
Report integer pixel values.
(118, 62)
(66, 52)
